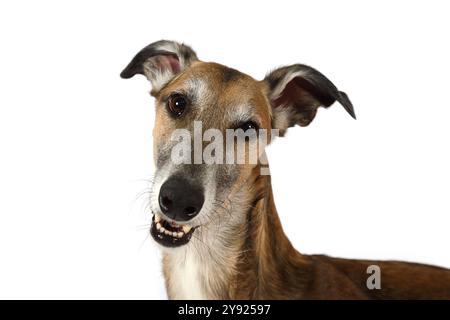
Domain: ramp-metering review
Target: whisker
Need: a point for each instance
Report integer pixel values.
(147, 237)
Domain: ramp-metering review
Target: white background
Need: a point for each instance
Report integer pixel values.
(76, 139)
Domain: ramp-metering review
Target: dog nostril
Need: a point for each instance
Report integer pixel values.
(190, 211)
(166, 202)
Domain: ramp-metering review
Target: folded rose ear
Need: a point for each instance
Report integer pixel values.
(296, 92)
(160, 62)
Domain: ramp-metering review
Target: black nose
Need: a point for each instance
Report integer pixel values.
(180, 199)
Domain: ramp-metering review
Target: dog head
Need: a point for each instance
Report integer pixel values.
(212, 124)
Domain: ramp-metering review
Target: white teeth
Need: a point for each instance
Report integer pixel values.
(176, 234)
(186, 228)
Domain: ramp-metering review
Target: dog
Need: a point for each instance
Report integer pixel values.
(217, 223)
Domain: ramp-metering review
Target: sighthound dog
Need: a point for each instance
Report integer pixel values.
(217, 223)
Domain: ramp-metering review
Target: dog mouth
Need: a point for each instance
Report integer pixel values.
(170, 234)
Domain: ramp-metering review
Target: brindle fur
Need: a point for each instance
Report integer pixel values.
(239, 250)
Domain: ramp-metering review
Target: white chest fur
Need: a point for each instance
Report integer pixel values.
(186, 275)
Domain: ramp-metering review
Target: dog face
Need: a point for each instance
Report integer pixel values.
(216, 111)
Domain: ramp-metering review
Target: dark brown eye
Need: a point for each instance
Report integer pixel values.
(249, 125)
(176, 104)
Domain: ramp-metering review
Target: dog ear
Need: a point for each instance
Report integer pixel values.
(295, 93)
(160, 62)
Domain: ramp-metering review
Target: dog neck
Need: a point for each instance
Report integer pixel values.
(248, 258)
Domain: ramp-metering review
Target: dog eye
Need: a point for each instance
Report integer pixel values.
(249, 125)
(176, 104)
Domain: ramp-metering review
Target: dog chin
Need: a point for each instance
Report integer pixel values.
(170, 234)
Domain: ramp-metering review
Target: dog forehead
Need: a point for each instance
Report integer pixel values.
(221, 93)
(216, 73)
(213, 82)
